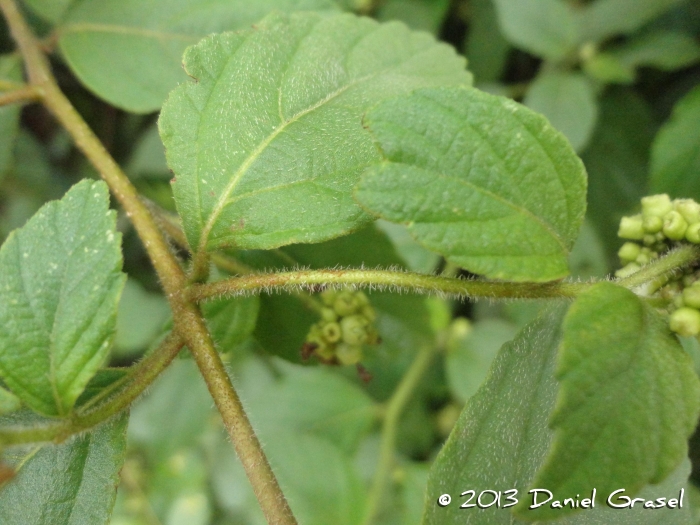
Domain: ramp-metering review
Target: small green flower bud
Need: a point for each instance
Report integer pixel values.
(691, 296)
(660, 237)
(328, 314)
(675, 226)
(688, 280)
(650, 239)
(369, 313)
(631, 228)
(685, 321)
(642, 259)
(326, 352)
(354, 329)
(689, 209)
(658, 205)
(629, 251)
(345, 303)
(627, 270)
(331, 332)
(328, 297)
(692, 234)
(348, 354)
(678, 301)
(652, 224)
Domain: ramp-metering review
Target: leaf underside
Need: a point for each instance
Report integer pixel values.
(629, 399)
(74, 483)
(60, 283)
(480, 179)
(268, 142)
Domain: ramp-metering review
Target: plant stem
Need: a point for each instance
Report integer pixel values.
(23, 94)
(672, 261)
(397, 403)
(140, 376)
(393, 280)
(188, 320)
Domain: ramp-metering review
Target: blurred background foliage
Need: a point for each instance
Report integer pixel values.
(619, 78)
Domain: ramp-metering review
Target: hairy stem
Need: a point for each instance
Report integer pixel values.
(140, 376)
(669, 263)
(394, 409)
(188, 320)
(393, 280)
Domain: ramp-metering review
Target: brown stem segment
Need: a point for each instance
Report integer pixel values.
(188, 320)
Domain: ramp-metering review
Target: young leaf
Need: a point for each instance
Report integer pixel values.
(501, 435)
(60, 282)
(545, 28)
(128, 51)
(268, 142)
(675, 156)
(604, 18)
(480, 179)
(629, 399)
(74, 483)
(665, 50)
(486, 48)
(569, 103)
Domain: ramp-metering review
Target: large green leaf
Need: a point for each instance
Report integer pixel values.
(501, 435)
(10, 70)
(675, 155)
(629, 399)
(604, 18)
(425, 15)
(545, 28)
(74, 483)
(60, 282)
(569, 103)
(267, 143)
(50, 10)
(481, 179)
(128, 51)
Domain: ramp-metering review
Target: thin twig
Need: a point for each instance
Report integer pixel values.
(24, 94)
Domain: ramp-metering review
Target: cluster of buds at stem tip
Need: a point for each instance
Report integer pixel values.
(346, 325)
(663, 224)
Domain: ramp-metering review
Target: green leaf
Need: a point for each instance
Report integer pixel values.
(675, 156)
(629, 399)
(128, 51)
(268, 142)
(69, 484)
(231, 320)
(545, 28)
(10, 70)
(604, 18)
(665, 50)
(501, 435)
(469, 355)
(569, 103)
(480, 179)
(60, 282)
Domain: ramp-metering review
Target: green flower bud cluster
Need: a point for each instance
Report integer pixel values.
(346, 325)
(663, 224)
